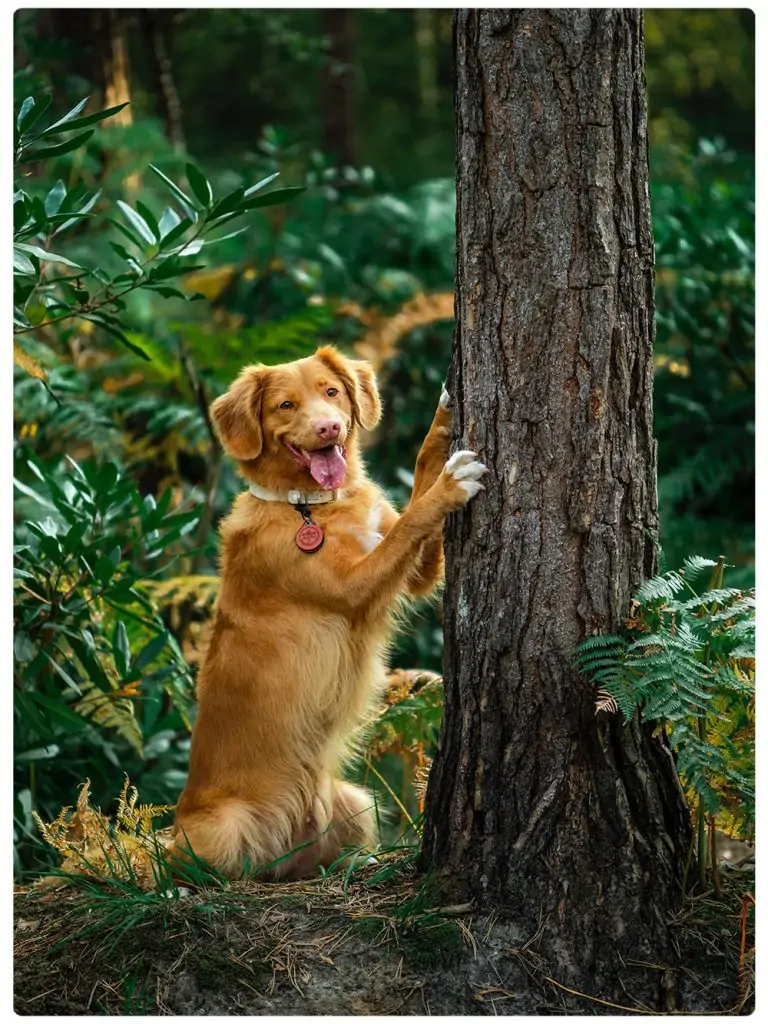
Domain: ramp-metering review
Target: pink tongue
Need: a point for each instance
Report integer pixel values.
(328, 467)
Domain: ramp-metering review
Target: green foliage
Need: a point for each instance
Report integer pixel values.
(159, 250)
(686, 660)
(94, 663)
(703, 206)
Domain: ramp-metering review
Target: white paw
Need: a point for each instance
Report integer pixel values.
(445, 399)
(464, 467)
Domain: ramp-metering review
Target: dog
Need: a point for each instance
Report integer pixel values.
(314, 562)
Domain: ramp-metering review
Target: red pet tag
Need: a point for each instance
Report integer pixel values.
(309, 536)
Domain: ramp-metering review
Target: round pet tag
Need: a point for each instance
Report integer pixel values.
(309, 538)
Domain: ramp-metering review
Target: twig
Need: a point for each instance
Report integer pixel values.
(713, 858)
(214, 461)
(745, 900)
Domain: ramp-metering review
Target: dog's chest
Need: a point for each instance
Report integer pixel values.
(366, 531)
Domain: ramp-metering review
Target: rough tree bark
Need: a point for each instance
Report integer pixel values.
(339, 112)
(572, 821)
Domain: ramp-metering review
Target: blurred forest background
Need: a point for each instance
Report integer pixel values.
(120, 485)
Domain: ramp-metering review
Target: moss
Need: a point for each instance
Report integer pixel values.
(432, 946)
(292, 899)
(368, 927)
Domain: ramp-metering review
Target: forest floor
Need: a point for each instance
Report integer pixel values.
(327, 947)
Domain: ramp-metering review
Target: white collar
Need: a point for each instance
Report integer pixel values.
(296, 497)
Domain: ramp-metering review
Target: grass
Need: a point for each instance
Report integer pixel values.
(118, 938)
(256, 947)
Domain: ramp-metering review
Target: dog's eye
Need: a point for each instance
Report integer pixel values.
(332, 392)
(286, 405)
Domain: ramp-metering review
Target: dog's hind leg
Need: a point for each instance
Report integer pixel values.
(352, 824)
(230, 836)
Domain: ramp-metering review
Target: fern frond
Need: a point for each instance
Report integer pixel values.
(200, 590)
(709, 597)
(660, 588)
(600, 642)
(606, 702)
(743, 652)
(745, 606)
(695, 565)
(111, 712)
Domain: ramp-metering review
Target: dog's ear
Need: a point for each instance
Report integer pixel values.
(360, 382)
(236, 415)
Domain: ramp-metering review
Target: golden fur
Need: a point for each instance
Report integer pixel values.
(297, 650)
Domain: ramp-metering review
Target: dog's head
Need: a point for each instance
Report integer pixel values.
(300, 416)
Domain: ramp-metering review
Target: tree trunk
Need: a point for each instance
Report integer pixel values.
(574, 822)
(339, 100)
(426, 53)
(157, 26)
(116, 75)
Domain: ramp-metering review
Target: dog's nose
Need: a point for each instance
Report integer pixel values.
(327, 429)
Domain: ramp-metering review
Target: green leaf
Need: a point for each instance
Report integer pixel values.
(20, 212)
(74, 537)
(104, 569)
(171, 267)
(110, 328)
(25, 704)
(31, 112)
(261, 184)
(168, 292)
(24, 649)
(150, 219)
(122, 252)
(79, 214)
(150, 651)
(70, 123)
(228, 203)
(26, 106)
(190, 248)
(60, 150)
(33, 494)
(127, 233)
(181, 196)
(223, 238)
(137, 222)
(199, 185)
(38, 754)
(21, 263)
(176, 232)
(280, 195)
(69, 115)
(168, 221)
(55, 198)
(121, 649)
(45, 255)
(64, 675)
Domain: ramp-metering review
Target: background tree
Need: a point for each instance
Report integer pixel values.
(574, 822)
(339, 96)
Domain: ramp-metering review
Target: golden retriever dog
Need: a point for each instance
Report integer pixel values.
(314, 561)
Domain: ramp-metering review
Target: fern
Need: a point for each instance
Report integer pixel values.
(661, 588)
(110, 711)
(694, 565)
(691, 668)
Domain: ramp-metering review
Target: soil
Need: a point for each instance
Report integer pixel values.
(326, 949)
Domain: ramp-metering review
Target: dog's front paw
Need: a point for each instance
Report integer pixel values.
(445, 399)
(461, 478)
